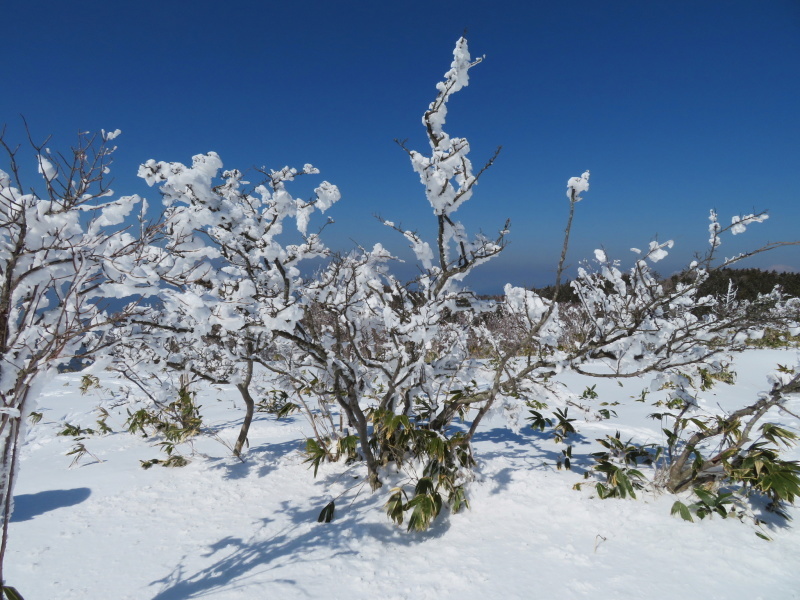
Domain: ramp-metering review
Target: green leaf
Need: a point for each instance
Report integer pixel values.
(348, 445)
(763, 536)
(437, 448)
(88, 382)
(701, 425)
(778, 435)
(315, 454)
(706, 496)
(458, 499)
(176, 460)
(394, 506)
(671, 436)
(424, 486)
(286, 410)
(426, 508)
(624, 484)
(538, 421)
(606, 413)
(602, 491)
(11, 593)
(680, 508)
(326, 516)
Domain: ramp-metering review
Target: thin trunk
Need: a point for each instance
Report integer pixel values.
(9, 465)
(244, 390)
(355, 416)
(681, 476)
(372, 464)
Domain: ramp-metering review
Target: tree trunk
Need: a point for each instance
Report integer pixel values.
(250, 405)
(356, 417)
(10, 447)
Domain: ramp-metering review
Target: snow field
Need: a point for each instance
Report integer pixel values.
(224, 529)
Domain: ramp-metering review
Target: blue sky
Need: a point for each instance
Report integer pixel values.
(676, 107)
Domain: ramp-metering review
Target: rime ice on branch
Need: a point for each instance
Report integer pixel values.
(64, 250)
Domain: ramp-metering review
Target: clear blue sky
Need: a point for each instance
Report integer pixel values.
(676, 107)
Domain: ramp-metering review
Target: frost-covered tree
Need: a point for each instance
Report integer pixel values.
(632, 323)
(402, 360)
(228, 284)
(394, 358)
(64, 249)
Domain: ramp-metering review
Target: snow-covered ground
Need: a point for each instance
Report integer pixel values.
(224, 529)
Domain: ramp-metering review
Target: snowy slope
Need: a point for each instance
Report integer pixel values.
(224, 529)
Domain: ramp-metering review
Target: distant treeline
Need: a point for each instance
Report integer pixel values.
(748, 283)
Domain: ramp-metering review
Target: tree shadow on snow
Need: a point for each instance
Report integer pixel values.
(527, 442)
(522, 440)
(239, 563)
(262, 459)
(28, 506)
(527, 449)
(242, 563)
(760, 505)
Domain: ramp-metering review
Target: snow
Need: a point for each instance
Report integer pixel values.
(576, 186)
(713, 229)
(657, 252)
(110, 135)
(739, 224)
(223, 529)
(47, 169)
(115, 213)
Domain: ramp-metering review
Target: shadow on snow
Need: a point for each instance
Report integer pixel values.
(28, 506)
(263, 458)
(239, 563)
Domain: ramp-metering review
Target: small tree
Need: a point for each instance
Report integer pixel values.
(63, 250)
(229, 286)
(395, 357)
(398, 359)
